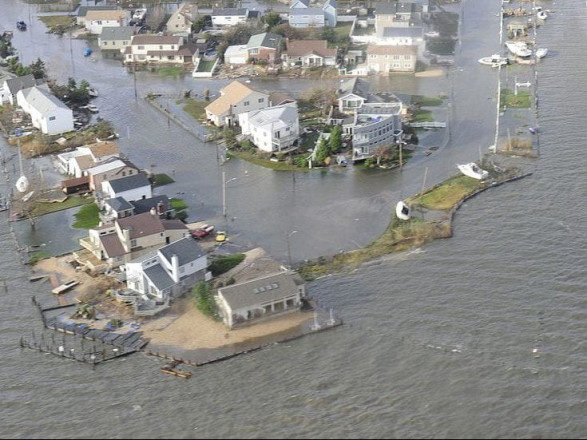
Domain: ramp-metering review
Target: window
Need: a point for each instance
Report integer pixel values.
(261, 99)
(52, 118)
(160, 47)
(141, 48)
(246, 103)
(254, 51)
(172, 47)
(133, 243)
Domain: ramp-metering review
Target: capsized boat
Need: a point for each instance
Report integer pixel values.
(402, 210)
(471, 169)
(518, 48)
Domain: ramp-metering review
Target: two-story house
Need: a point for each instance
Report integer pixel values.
(228, 17)
(133, 187)
(308, 53)
(116, 39)
(351, 94)
(234, 99)
(303, 15)
(96, 20)
(180, 22)
(11, 86)
(111, 169)
(389, 59)
(272, 129)
(76, 163)
(168, 272)
(47, 112)
(264, 47)
(159, 49)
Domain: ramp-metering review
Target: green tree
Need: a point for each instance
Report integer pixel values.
(321, 152)
(229, 137)
(38, 69)
(204, 299)
(272, 19)
(335, 141)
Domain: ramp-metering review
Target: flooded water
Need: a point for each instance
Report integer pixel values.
(480, 335)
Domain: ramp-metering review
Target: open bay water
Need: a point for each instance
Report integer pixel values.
(482, 335)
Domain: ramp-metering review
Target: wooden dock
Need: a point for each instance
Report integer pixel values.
(65, 287)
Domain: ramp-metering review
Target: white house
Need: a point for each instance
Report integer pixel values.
(116, 38)
(133, 187)
(83, 10)
(159, 49)
(168, 272)
(234, 99)
(237, 54)
(274, 294)
(47, 113)
(77, 163)
(273, 128)
(180, 22)
(11, 86)
(303, 15)
(96, 20)
(351, 94)
(229, 16)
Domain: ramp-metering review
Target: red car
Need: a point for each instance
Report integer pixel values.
(202, 232)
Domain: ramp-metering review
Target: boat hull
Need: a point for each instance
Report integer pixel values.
(472, 170)
(402, 211)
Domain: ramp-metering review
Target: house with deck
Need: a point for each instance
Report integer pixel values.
(272, 129)
(117, 38)
(308, 53)
(169, 271)
(260, 299)
(235, 98)
(77, 162)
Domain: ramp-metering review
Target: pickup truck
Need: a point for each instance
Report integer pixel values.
(202, 232)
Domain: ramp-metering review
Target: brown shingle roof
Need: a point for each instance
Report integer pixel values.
(84, 162)
(300, 48)
(112, 245)
(101, 149)
(231, 94)
(141, 225)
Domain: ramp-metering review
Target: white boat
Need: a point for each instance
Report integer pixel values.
(93, 93)
(432, 34)
(91, 107)
(541, 52)
(542, 15)
(471, 169)
(22, 184)
(139, 14)
(402, 210)
(518, 48)
(494, 60)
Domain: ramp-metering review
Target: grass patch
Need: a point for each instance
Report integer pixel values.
(38, 256)
(196, 109)
(224, 264)
(52, 21)
(178, 204)
(421, 115)
(42, 208)
(508, 98)
(87, 217)
(205, 66)
(170, 71)
(426, 101)
(162, 179)
(277, 166)
(446, 195)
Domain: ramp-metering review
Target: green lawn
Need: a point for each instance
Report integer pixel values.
(42, 208)
(170, 71)
(508, 98)
(178, 204)
(87, 217)
(195, 108)
(162, 179)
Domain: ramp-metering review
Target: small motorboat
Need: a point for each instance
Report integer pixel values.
(542, 15)
(495, 60)
(432, 34)
(541, 52)
(88, 51)
(402, 210)
(93, 93)
(471, 169)
(91, 107)
(518, 48)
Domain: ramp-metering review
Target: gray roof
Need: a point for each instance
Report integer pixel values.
(159, 277)
(229, 11)
(397, 7)
(119, 204)
(145, 205)
(412, 31)
(20, 83)
(130, 182)
(42, 100)
(117, 32)
(260, 290)
(186, 249)
(306, 11)
(267, 39)
(356, 86)
(305, 2)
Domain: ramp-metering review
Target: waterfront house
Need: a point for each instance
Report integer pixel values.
(351, 94)
(264, 47)
(234, 99)
(116, 38)
(303, 15)
(47, 113)
(261, 298)
(10, 87)
(127, 238)
(134, 187)
(117, 207)
(308, 53)
(228, 16)
(96, 20)
(390, 59)
(180, 22)
(272, 129)
(110, 169)
(82, 11)
(169, 271)
(78, 162)
(237, 54)
(161, 204)
(160, 49)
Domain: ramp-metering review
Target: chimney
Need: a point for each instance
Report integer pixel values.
(160, 208)
(175, 267)
(153, 211)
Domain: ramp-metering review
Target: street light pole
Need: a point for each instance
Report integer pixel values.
(224, 182)
(288, 248)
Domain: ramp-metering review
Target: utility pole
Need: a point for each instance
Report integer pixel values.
(288, 248)
(224, 182)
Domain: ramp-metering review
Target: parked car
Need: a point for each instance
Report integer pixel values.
(220, 236)
(202, 232)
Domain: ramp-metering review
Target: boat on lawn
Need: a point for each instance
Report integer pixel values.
(519, 48)
(495, 60)
(471, 169)
(541, 52)
(402, 210)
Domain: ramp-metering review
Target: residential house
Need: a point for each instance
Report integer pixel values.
(159, 49)
(11, 86)
(128, 238)
(78, 162)
(308, 53)
(397, 14)
(237, 54)
(303, 15)
(229, 16)
(83, 10)
(116, 38)
(117, 207)
(390, 59)
(161, 204)
(168, 272)
(264, 47)
(273, 128)
(180, 22)
(352, 94)
(133, 187)
(234, 99)
(75, 185)
(47, 113)
(96, 20)
(271, 295)
(402, 36)
(110, 169)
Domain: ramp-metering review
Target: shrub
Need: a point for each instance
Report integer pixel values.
(224, 264)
